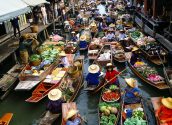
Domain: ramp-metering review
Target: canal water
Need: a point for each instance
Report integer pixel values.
(26, 113)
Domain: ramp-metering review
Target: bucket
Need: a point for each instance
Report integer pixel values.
(73, 72)
(34, 29)
(24, 56)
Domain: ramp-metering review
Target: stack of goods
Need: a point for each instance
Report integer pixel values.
(106, 55)
(94, 47)
(109, 106)
(118, 51)
(148, 72)
(136, 35)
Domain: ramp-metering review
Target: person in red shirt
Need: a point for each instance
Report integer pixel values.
(164, 113)
(110, 74)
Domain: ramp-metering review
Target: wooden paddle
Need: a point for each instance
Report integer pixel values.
(99, 88)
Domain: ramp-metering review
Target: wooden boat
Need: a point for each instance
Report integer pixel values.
(9, 80)
(159, 85)
(6, 118)
(119, 54)
(154, 58)
(102, 65)
(156, 102)
(48, 118)
(66, 107)
(133, 107)
(115, 104)
(30, 83)
(93, 49)
(168, 77)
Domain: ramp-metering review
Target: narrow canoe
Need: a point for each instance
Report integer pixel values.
(118, 104)
(6, 118)
(161, 85)
(132, 106)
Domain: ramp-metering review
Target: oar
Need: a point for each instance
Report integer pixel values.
(110, 80)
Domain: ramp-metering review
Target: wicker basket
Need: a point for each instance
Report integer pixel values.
(34, 29)
(73, 72)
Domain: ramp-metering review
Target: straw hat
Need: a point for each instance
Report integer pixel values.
(109, 65)
(93, 68)
(54, 94)
(167, 102)
(83, 37)
(135, 49)
(121, 30)
(93, 24)
(71, 113)
(112, 25)
(73, 32)
(62, 53)
(131, 82)
(110, 29)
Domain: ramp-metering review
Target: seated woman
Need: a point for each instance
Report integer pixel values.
(134, 56)
(73, 118)
(55, 102)
(164, 113)
(64, 60)
(83, 43)
(133, 93)
(110, 74)
(110, 36)
(93, 75)
(74, 38)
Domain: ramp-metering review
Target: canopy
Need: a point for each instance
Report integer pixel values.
(34, 2)
(12, 8)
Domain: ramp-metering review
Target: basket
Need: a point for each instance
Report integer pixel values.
(34, 29)
(73, 71)
(78, 64)
(36, 63)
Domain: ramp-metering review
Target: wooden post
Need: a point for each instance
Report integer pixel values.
(146, 7)
(154, 9)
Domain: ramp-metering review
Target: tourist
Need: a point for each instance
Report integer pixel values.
(111, 74)
(55, 101)
(133, 93)
(93, 75)
(73, 118)
(15, 24)
(64, 60)
(44, 14)
(134, 56)
(164, 113)
(83, 43)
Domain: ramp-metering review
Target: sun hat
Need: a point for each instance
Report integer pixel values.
(73, 32)
(62, 53)
(131, 82)
(134, 49)
(93, 24)
(83, 37)
(112, 25)
(109, 65)
(54, 94)
(93, 68)
(71, 113)
(167, 102)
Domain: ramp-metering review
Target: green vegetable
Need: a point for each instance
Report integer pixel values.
(135, 121)
(35, 57)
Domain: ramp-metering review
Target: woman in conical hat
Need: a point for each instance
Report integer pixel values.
(164, 113)
(133, 93)
(55, 101)
(73, 118)
(93, 75)
(134, 56)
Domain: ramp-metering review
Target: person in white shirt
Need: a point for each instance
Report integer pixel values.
(44, 14)
(110, 36)
(64, 60)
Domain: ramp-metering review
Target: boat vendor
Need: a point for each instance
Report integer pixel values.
(93, 75)
(134, 56)
(74, 38)
(122, 35)
(55, 101)
(64, 60)
(110, 35)
(133, 93)
(73, 118)
(83, 43)
(164, 113)
(110, 74)
(94, 29)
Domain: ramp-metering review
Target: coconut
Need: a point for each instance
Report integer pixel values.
(114, 110)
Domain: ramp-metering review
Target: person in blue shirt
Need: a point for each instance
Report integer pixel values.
(83, 43)
(73, 118)
(15, 24)
(133, 93)
(93, 75)
(74, 38)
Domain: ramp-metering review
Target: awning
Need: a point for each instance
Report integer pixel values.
(34, 2)
(12, 8)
